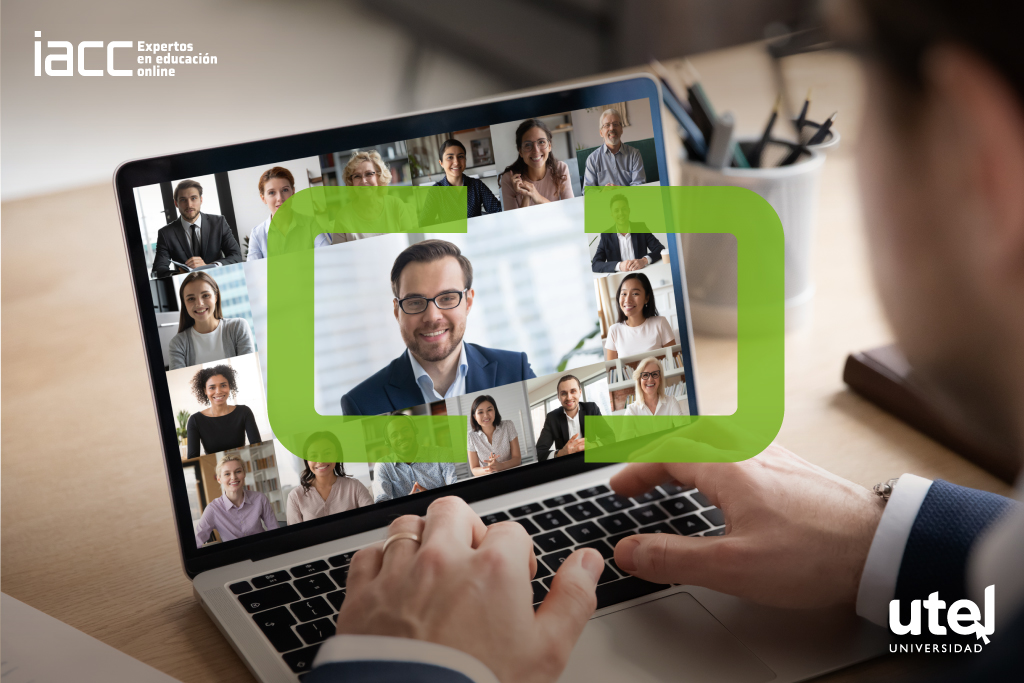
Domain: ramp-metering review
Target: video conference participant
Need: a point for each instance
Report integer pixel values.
(220, 427)
(614, 162)
(623, 250)
(276, 185)
(237, 512)
(639, 328)
(405, 477)
(204, 334)
(650, 395)
(492, 442)
(196, 239)
(536, 177)
(452, 155)
(370, 214)
(433, 286)
(564, 427)
(325, 488)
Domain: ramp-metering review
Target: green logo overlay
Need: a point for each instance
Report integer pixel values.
(429, 438)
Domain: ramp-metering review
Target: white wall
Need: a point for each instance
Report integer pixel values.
(250, 210)
(512, 405)
(585, 124)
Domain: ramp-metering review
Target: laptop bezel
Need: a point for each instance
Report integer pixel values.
(138, 173)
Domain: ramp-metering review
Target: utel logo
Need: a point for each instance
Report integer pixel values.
(67, 57)
(963, 616)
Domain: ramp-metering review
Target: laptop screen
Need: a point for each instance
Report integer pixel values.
(524, 324)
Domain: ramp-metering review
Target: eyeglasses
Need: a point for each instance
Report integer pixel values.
(611, 124)
(650, 375)
(542, 145)
(369, 175)
(411, 305)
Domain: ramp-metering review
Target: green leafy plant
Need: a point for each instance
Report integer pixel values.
(182, 430)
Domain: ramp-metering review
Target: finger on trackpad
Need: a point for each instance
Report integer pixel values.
(671, 639)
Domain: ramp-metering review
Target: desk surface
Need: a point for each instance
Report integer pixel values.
(99, 552)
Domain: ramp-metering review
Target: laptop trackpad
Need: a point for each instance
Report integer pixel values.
(671, 639)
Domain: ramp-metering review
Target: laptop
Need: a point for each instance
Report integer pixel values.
(267, 553)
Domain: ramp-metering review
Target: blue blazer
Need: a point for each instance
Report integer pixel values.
(608, 255)
(395, 388)
(370, 671)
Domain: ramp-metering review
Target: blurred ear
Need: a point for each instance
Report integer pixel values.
(990, 119)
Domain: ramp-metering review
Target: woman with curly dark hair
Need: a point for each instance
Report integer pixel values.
(326, 489)
(536, 177)
(222, 426)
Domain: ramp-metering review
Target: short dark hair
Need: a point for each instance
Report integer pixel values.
(476, 404)
(307, 477)
(204, 375)
(650, 309)
(566, 378)
(184, 185)
(429, 251)
(450, 142)
(618, 198)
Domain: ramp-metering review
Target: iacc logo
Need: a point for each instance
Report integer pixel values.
(963, 618)
(66, 58)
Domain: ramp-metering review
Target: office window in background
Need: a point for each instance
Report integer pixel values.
(596, 391)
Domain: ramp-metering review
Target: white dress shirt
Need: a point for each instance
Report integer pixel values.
(574, 422)
(426, 384)
(626, 250)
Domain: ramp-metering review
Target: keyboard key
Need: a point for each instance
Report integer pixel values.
(678, 506)
(309, 569)
(608, 574)
(614, 503)
(716, 532)
(542, 571)
(701, 499)
(715, 516)
(649, 497)
(559, 501)
(336, 598)
(267, 598)
(552, 541)
(674, 489)
(593, 491)
(240, 587)
(539, 591)
(616, 524)
(690, 525)
(614, 540)
(271, 579)
(316, 631)
(314, 608)
(659, 528)
(315, 585)
(495, 517)
(528, 509)
(588, 531)
(648, 514)
(302, 660)
(340, 575)
(600, 546)
(552, 519)
(530, 527)
(341, 560)
(276, 625)
(555, 560)
(583, 511)
(625, 589)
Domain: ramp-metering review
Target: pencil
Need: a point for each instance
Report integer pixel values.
(819, 137)
(755, 156)
(802, 118)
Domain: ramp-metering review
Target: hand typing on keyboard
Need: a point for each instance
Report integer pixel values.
(796, 535)
(467, 586)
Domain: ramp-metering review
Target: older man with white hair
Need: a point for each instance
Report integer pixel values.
(614, 162)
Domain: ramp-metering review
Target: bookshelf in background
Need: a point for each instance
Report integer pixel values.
(622, 387)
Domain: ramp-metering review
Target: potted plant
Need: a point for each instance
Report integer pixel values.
(182, 430)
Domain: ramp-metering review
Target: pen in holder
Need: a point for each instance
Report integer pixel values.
(710, 259)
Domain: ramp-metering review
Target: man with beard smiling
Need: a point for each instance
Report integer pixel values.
(564, 426)
(395, 479)
(433, 286)
(614, 162)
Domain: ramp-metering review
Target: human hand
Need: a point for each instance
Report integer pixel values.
(609, 184)
(416, 488)
(195, 262)
(574, 445)
(796, 535)
(467, 586)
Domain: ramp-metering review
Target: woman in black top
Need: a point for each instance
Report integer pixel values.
(220, 427)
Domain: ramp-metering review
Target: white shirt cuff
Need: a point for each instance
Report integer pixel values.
(882, 568)
(352, 648)
(618, 267)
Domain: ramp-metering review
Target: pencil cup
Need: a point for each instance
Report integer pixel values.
(710, 259)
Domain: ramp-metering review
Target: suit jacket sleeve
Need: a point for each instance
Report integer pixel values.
(348, 406)
(527, 370)
(162, 259)
(546, 439)
(374, 659)
(654, 247)
(602, 262)
(951, 518)
(228, 245)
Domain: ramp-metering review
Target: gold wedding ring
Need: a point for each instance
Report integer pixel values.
(399, 537)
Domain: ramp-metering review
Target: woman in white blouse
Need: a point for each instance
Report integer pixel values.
(493, 442)
(650, 398)
(640, 328)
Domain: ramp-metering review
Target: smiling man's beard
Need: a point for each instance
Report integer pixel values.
(418, 347)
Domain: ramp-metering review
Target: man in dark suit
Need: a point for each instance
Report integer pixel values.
(433, 286)
(626, 248)
(565, 427)
(196, 239)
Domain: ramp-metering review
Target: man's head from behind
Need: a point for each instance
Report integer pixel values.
(188, 197)
(570, 393)
(433, 286)
(610, 127)
(942, 172)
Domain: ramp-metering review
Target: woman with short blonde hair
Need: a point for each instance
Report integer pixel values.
(237, 512)
(371, 213)
(651, 398)
(366, 168)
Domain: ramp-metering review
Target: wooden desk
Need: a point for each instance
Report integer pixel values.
(87, 530)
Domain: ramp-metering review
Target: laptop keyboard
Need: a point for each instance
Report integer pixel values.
(297, 608)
